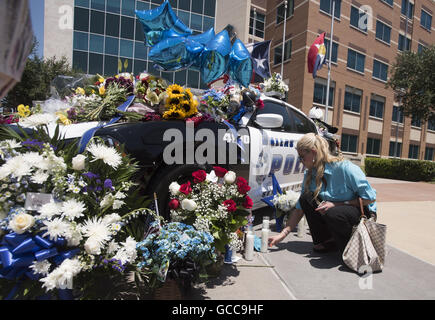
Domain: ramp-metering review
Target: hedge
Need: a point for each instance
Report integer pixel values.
(410, 170)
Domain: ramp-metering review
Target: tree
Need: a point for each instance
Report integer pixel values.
(413, 80)
(36, 78)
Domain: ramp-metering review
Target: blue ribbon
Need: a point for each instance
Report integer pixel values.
(19, 251)
(87, 136)
(236, 136)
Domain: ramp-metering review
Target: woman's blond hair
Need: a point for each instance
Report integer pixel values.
(308, 143)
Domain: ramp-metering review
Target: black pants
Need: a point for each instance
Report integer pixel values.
(336, 223)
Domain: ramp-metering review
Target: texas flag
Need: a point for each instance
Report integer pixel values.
(316, 55)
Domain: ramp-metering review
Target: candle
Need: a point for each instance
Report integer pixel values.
(301, 228)
(249, 246)
(266, 222)
(264, 239)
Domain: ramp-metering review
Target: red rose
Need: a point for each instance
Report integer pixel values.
(199, 176)
(231, 205)
(242, 185)
(248, 203)
(259, 104)
(220, 172)
(174, 204)
(185, 188)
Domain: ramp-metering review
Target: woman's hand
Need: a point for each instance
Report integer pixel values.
(325, 206)
(278, 238)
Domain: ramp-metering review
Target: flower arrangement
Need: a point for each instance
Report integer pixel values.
(150, 89)
(274, 86)
(216, 103)
(176, 250)
(180, 103)
(214, 203)
(65, 218)
(286, 202)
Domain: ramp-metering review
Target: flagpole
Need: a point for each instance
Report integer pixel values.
(255, 23)
(283, 39)
(329, 62)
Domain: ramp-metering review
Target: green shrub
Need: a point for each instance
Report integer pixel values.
(410, 170)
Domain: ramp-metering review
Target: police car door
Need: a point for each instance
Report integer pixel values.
(273, 151)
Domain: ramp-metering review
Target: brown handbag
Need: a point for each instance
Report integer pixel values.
(366, 247)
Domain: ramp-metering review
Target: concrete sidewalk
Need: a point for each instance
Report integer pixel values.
(292, 271)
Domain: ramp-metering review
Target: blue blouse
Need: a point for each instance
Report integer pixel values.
(344, 181)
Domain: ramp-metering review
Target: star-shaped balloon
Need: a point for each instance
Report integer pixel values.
(240, 64)
(269, 201)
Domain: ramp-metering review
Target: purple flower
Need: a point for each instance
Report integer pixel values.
(108, 184)
(91, 175)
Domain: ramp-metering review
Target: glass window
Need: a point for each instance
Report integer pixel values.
(287, 52)
(197, 6)
(184, 17)
(300, 123)
(127, 28)
(98, 4)
(207, 23)
(395, 149)
(113, 6)
(82, 3)
(81, 19)
(95, 63)
(184, 4)
(259, 24)
(96, 43)
(349, 143)
(142, 5)
(110, 65)
(390, 2)
(112, 25)
(397, 114)
(380, 70)
(274, 108)
(431, 124)
(416, 122)
(196, 22)
(112, 46)
(326, 6)
(210, 7)
(153, 70)
(428, 154)
(413, 151)
(334, 55)
(352, 99)
(126, 48)
(420, 48)
(383, 32)
(319, 95)
(193, 79)
(139, 31)
(157, 1)
(373, 146)
(97, 22)
(173, 3)
(280, 14)
(355, 60)
(139, 66)
(180, 77)
(128, 7)
(407, 7)
(377, 107)
(426, 20)
(140, 51)
(402, 45)
(81, 41)
(357, 20)
(168, 76)
(125, 64)
(80, 61)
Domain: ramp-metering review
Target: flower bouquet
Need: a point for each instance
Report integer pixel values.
(176, 251)
(274, 86)
(69, 221)
(285, 202)
(180, 103)
(215, 203)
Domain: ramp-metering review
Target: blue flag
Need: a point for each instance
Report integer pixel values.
(260, 60)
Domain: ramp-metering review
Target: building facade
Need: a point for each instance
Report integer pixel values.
(364, 48)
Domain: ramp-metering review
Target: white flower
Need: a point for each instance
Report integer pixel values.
(188, 205)
(117, 204)
(16, 166)
(74, 238)
(78, 162)
(72, 209)
(33, 158)
(111, 218)
(112, 247)
(39, 177)
(11, 143)
(56, 228)
(230, 177)
(38, 119)
(62, 276)
(174, 188)
(49, 210)
(41, 267)
(93, 246)
(120, 195)
(21, 223)
(212, 177)
(127, 253)
(95, 228)
(107, 201)
(107, 154)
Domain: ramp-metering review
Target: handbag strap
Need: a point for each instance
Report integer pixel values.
(361, 207)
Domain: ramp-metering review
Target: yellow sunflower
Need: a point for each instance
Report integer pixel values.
(189, 108)
(174, 113)
(175, 90)
(188, 94)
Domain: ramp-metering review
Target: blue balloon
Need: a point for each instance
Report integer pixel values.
(215, 57)
(160, 19)
(203, 39)
(175, 53)
(240, 64)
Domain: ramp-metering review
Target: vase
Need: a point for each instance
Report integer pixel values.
(228, 255)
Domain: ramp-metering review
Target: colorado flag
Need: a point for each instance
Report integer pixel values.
(316, 55)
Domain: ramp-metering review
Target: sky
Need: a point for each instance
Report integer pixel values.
(37, 15)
